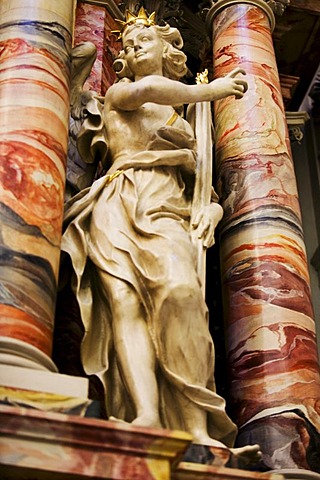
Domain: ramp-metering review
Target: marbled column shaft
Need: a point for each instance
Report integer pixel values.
(270, 328)
(36, 37)
(89, 26)
(94, 24)
(112, 49)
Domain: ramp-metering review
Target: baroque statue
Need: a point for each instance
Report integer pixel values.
(129, 240)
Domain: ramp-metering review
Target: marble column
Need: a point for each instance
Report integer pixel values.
(36, 40)
(89, 26)
(271, 344)
(95, 23)
(95, 49)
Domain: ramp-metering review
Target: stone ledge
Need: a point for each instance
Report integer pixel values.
(192, 471)
(39, 445)
(43, 381)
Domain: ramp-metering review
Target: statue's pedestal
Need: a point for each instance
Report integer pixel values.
(40, 445)
(37, 445)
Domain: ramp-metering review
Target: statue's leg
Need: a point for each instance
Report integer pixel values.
(189, 354)
(185, 344)
(195, 420)
(134, 350)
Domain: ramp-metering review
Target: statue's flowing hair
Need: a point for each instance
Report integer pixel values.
(174, 60)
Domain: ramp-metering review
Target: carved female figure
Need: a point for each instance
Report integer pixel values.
(129, 240)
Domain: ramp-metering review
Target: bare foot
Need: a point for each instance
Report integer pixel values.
(118, 420)
(149, 421)
(203, 439)
(145, 420)
(248, 455)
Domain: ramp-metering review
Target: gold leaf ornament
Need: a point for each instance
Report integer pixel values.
(142, 18)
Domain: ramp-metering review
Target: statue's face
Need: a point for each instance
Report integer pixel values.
(143, 50)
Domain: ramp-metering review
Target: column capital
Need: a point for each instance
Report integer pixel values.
(296, 122)
(278, 6)
(265, 5)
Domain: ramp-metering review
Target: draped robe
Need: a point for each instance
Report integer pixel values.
(134, 224)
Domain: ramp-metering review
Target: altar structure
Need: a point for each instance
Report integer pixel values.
(263, 276)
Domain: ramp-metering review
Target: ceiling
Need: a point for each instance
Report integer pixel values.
(297, 45)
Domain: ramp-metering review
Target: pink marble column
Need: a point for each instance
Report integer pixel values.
(94, 23)
(89, 26)
(271, 345)
(36, 37)
(112, 49)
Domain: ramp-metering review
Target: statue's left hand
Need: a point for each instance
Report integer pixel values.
(205, 222)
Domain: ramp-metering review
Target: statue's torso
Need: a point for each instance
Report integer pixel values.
(129, 132)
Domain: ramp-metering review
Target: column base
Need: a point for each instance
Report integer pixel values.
(20, 354)
(288, 441)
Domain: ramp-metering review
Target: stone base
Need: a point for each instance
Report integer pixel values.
(39, 445)
(43, 381)
(43, 390)
(17, 353)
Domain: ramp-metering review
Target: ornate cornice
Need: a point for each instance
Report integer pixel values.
(288, 85)
(168, 11)
(278, 6)
(296, 122)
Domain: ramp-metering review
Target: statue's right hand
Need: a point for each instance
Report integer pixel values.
(231, 84)
(205, 222)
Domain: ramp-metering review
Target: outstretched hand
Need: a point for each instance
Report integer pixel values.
(205, 222)
(231, 84)
(241, 83)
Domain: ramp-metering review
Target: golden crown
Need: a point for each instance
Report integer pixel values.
(142, 18)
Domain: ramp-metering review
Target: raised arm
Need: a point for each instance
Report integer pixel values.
(163, 91)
